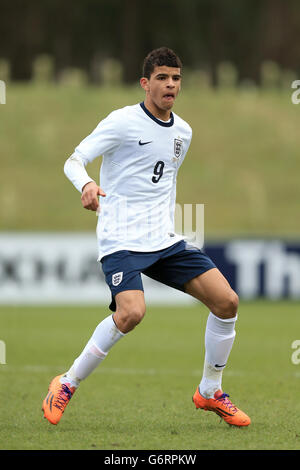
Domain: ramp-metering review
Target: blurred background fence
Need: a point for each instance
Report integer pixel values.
(66, 65)
(46, 38)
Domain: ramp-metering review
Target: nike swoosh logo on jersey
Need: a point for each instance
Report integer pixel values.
(144, 143)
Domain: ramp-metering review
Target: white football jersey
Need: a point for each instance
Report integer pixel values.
(141, 157)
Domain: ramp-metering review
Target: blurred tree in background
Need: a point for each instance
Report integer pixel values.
(205, 33)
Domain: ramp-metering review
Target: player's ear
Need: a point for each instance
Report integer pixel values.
(180, 85)
(144, 82)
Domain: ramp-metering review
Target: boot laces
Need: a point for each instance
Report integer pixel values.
(224, 400)
(63, 397)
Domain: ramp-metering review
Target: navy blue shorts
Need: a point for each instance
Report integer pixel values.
(173, 266)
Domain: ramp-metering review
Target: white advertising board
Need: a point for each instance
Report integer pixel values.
(62, 268)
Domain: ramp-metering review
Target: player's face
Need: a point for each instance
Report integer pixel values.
(163, 87)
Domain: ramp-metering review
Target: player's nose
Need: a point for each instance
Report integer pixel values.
(171, 84)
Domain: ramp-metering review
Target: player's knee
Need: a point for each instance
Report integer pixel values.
(127, 319)
(136, 315)
(229, 306)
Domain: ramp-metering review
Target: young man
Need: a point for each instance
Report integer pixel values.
(143, 146)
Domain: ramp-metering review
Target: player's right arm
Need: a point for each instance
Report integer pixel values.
(103, 140)
(75, 171)
(90, 196)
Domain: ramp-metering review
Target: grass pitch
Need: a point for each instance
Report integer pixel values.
(140, 396)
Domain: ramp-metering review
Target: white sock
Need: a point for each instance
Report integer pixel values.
(104, 337)
(219, 338)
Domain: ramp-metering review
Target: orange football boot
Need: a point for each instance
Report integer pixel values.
(223, 407)
(57, 398)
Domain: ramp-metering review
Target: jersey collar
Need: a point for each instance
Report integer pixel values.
(158, 121)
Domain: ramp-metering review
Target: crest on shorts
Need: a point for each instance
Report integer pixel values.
(178, 147)
(117, 278)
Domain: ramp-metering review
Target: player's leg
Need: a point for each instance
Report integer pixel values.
(122, 271)
(212, 289)
(130, 309)
(186, 268)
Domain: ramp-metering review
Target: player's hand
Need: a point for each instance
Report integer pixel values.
(89, 197)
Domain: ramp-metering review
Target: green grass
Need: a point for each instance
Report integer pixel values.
(243, 162)
(140, 397)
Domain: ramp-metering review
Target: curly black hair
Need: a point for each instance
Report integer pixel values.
(159, 57)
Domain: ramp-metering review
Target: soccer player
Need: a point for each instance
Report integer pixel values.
(143, 147)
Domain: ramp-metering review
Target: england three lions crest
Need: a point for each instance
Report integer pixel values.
(178, 148)
(117, 278)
